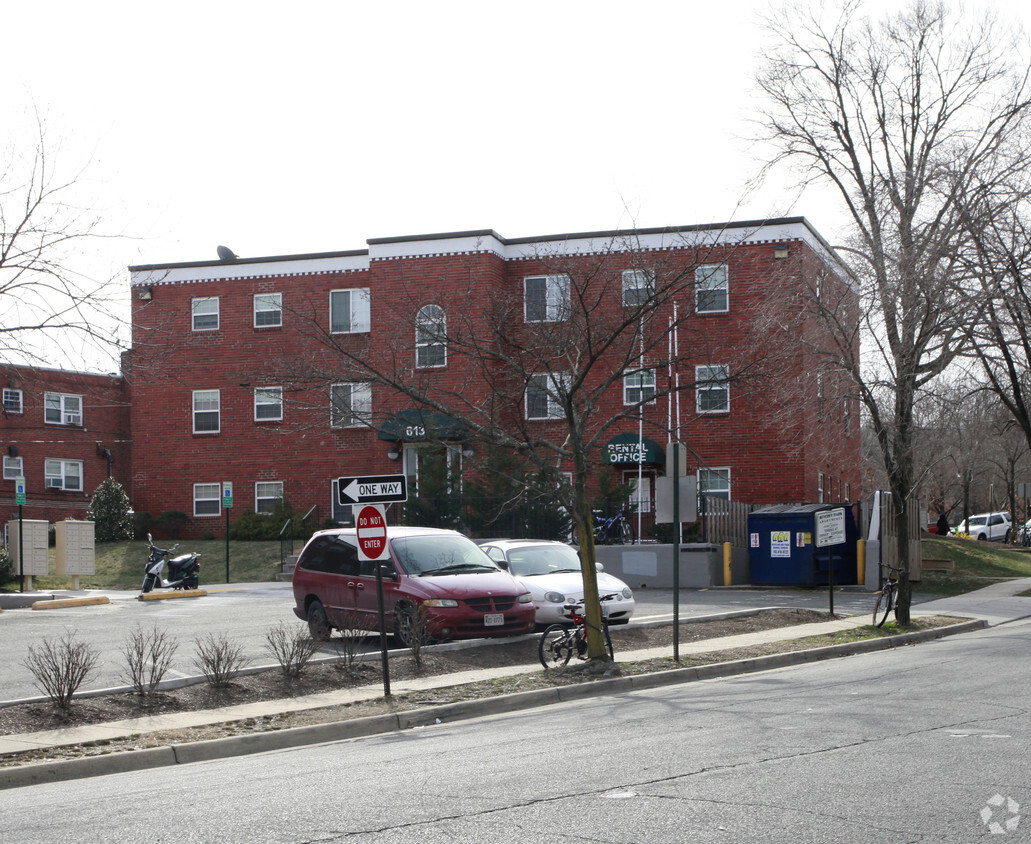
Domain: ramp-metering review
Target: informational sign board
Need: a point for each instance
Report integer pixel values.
(371, 527)
(19, 490)
(830, 527)
(227, 494)
(374, 489)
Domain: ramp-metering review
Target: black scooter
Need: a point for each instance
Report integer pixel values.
(183, 571)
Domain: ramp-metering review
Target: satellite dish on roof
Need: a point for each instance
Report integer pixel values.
(226, 254)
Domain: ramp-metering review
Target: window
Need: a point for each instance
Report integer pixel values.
(714, 482)
(205, 314)
(207, 499)
(545, 394)
(268, 310)
(62, 409)
(64, 474)
(638, 287)
(712, 392)
(711, 289)
(350, 404)
(13, 468)
(431, 337)
(268, 404)
(639, 386)
(267, 496)
(546, 298)
(206, 411)
(641, 493)
(349, 311)
(819, 487)
(12, 401)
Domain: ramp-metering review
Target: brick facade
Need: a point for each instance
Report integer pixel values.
(63, 448)
(787, 429)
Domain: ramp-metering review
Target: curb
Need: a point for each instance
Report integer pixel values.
(70, 602)
(180, 593)
(182, 754)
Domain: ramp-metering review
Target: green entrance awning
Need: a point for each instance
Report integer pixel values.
(632, 448)
(416, 425)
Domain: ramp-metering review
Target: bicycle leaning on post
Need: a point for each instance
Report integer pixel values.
(559, 642)
(887, 597)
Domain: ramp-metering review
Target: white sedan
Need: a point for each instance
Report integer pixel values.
(551, 571)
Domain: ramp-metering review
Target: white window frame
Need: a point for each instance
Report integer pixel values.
(13, 401)
(821, 482)
(555, 307)
(203, 495)
(358, 409)
(261, 494)
(548, 383)
(200, 313)
(56, 469)
(68, 409)
(268, 404)
(709, 381)
(639, 382)
(640, 495)
(711, 279)
(213, 398)
(342, 513)
(706, 485)
(634, 282)
(14, 468)
(268, 310)
(359, 319)
(430, 335)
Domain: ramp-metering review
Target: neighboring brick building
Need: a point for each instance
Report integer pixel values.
(240, 368)
(64, 432)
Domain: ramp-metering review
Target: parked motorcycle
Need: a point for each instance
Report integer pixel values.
(183, 571)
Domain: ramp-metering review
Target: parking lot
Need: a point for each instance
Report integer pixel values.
(247, 611)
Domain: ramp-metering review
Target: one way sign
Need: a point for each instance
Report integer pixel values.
(377, 489)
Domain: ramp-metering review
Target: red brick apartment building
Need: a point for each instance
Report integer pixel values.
(244, 370)
(63, 432)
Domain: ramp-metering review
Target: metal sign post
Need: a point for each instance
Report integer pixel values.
(227, 505)
(370, 523)
(830, 531)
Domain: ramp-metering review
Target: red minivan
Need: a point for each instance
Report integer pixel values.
(463, 593)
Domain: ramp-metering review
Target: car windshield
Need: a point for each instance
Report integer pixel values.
(423, 555)
(542, 559)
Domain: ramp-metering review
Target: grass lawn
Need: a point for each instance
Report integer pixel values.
(978, 564)
(119, 565)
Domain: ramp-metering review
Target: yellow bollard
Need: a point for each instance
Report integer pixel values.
(727, 577)
(861, 561)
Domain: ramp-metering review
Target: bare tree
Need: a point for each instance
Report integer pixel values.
(902, 117)
(47, 301)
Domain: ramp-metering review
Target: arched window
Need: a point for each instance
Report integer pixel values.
(431, 337)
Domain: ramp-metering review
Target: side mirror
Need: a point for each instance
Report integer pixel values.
(388, 573)
(502, 564)
(150, 538)
(599, 567)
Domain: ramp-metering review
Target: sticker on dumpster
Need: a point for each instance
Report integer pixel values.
(802, 539)
(780, 543)
(753, 538)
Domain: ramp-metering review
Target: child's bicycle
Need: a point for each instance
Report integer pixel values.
(887, 597)
(559, 642)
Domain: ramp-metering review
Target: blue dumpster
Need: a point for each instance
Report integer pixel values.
(782, 548)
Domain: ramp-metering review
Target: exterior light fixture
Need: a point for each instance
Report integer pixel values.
(146, 293)
(468, 451)
(780, 250)
(393, 453)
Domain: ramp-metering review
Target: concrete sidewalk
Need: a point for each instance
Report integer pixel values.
(987, 607)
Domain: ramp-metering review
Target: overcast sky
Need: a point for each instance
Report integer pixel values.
(283, 128)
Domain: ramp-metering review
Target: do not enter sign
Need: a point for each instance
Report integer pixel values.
(371, 527)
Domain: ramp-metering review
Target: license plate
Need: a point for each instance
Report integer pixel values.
(494, 619)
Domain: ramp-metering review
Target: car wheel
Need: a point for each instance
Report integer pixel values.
(318, 624)
(982, 537)
(1006, 538)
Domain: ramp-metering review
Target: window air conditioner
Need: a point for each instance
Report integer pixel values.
(57, 483)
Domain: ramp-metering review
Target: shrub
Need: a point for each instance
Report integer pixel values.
(110, 512)
(292, 647)
(219, 659)
(60, 666)
(6, 567)
(352, 639)
(171, 522)
(148, 655)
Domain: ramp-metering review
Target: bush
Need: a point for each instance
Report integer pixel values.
(171, 522)
(110, 513)
(265, 527)
(292, 647)
(60, 666)
(148, 656)
(219, 659)
(6, 567)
